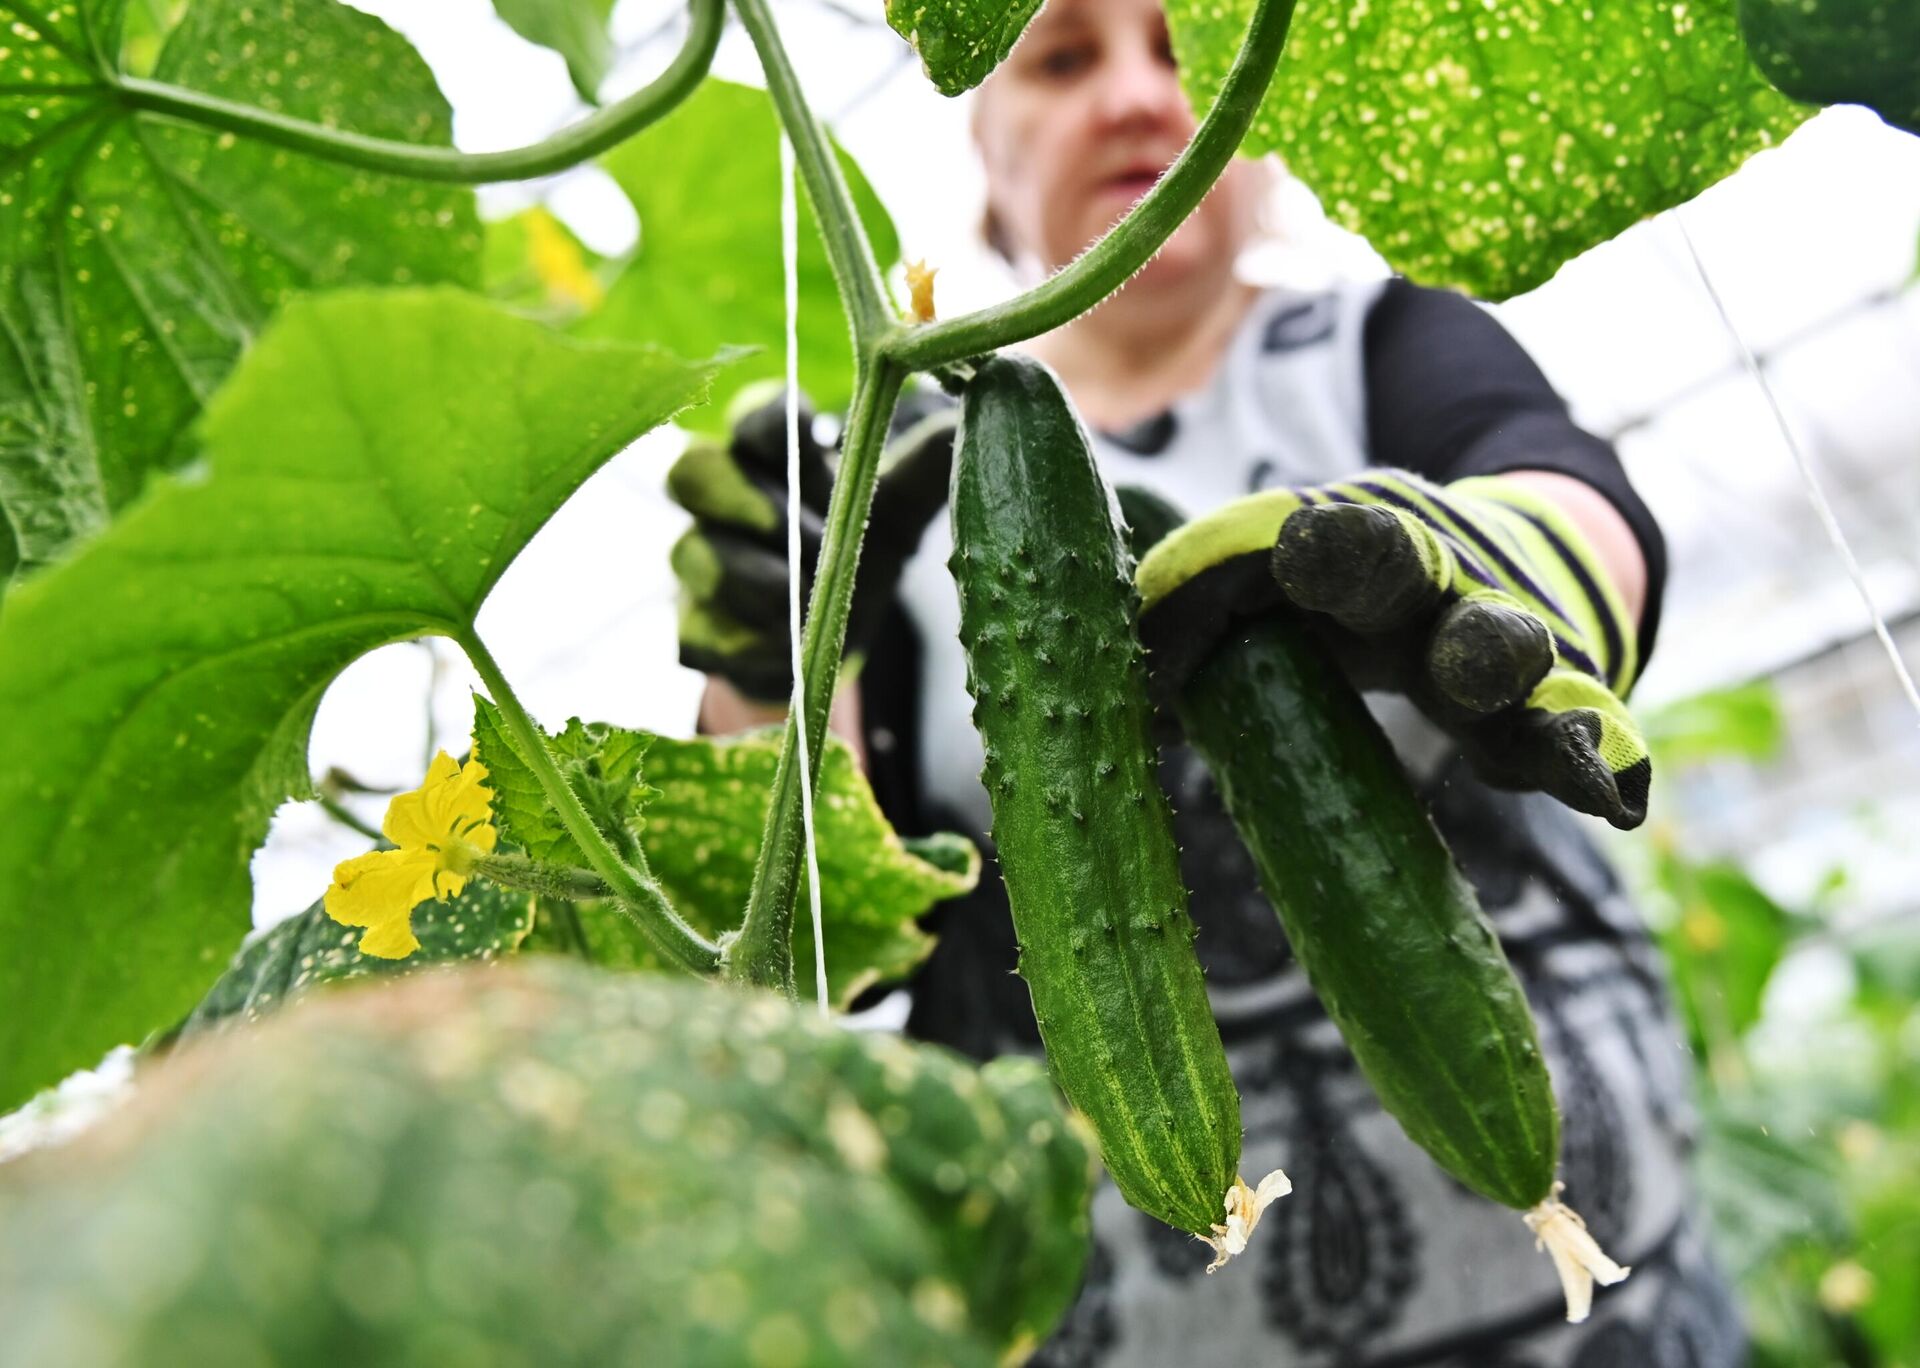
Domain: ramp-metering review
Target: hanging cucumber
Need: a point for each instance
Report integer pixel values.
(1387, 929)
(1084, 834)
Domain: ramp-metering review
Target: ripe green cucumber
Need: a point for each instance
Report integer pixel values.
(1388, 930)
(1084, 835)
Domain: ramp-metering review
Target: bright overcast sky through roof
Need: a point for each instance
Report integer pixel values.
(1812, 248)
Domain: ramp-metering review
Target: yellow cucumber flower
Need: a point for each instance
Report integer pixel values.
(439, 828)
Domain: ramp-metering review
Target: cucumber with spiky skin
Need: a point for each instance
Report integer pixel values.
(1084, 835)
(1381, 919)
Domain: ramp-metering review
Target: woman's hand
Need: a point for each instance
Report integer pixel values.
(732, 563)
(1494, 603)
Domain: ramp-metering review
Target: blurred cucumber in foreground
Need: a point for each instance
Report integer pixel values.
(549, 1164)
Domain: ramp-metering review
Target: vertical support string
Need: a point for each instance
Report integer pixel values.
(790, 253)
(1807, 478)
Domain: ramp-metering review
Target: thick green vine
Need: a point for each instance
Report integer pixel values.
(567, 148)
(634, 889)
(1108, 264)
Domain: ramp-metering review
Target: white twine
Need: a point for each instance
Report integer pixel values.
(790, 253)
(1814, 492)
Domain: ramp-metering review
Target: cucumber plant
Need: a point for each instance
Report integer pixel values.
(257, 418)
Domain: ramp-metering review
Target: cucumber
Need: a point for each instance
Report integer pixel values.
(543, 1163)
(1386, 927)
(1084, 835)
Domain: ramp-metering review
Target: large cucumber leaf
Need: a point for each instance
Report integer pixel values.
(707, 273)
(548, 1164)
(139, 255)
(370, 470)
(960, 42)
(1485, 144)
(1840, 52)
(481, 922)
(696, 808)
(576, 29)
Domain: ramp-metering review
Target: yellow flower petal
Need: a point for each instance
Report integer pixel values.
(379, 890)
(451, 804)
(390, 940)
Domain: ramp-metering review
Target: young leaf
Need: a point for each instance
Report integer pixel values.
(139, 255)
(370, 470)
(576, 29)
(603, 764)
(1840, 52)
(707, 273)
(1483, 145)
(705, 803)
(960, 41)
(481, 922)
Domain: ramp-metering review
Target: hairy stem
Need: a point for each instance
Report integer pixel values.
(855, 271)
(761, 951)
(1131, 243)
(634, 890)
(569, 147)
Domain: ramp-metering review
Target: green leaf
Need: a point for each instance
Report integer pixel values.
(1840, 52)
(140, 255)
(707, 274)
(960, 41)
(704, 816)
(536, 264)
(602, 764)
(1484, 144)
(576, 29)
(370, 471)
(1723, 947)
(482, 922)
(1744, 722)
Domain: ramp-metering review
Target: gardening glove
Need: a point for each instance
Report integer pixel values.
(1479, 600)
(732, 563)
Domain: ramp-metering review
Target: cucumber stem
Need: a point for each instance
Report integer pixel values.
(856, 272)
(761, 951)
(1131, 243)
(634, 889)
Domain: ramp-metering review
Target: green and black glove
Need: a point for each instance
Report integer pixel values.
(1478, 600)
(732, 563)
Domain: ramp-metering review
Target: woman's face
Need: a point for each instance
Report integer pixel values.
(1077, 124)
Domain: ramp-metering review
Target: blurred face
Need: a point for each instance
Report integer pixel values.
(1078, 123)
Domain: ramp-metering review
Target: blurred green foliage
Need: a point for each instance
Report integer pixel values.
(1809, 1160)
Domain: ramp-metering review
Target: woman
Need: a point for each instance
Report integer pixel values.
(1207, 391)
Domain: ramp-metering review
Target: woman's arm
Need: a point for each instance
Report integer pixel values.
(1451, 394)
(1612, 539)
(724, 710)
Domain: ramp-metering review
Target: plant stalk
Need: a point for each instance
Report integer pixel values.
(1131, 243)
(855, 270)
(569, 147)
(761, 951)
(634, 890)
